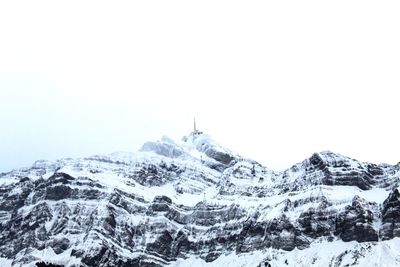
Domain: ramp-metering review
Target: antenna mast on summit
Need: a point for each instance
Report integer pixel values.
(195, 131)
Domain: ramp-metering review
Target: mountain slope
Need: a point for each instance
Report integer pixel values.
(195, 203)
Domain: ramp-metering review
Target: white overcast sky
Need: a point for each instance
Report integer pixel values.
(272, 80)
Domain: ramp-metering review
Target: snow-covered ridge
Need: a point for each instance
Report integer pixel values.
(194, 202)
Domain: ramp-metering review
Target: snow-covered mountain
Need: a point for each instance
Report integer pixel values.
(195, 203)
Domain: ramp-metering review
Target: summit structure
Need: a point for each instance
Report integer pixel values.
(195, 131)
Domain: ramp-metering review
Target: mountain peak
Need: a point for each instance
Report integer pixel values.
(200, 146)
(188, 202)
(331, 158)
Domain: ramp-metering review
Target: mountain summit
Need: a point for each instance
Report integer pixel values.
(195, 203)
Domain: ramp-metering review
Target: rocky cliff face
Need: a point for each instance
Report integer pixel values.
(195, 203)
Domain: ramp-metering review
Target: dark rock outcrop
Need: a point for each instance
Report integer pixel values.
(391, 216)
(355, 223)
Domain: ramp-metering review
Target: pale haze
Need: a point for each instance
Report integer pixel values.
(272, 80)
